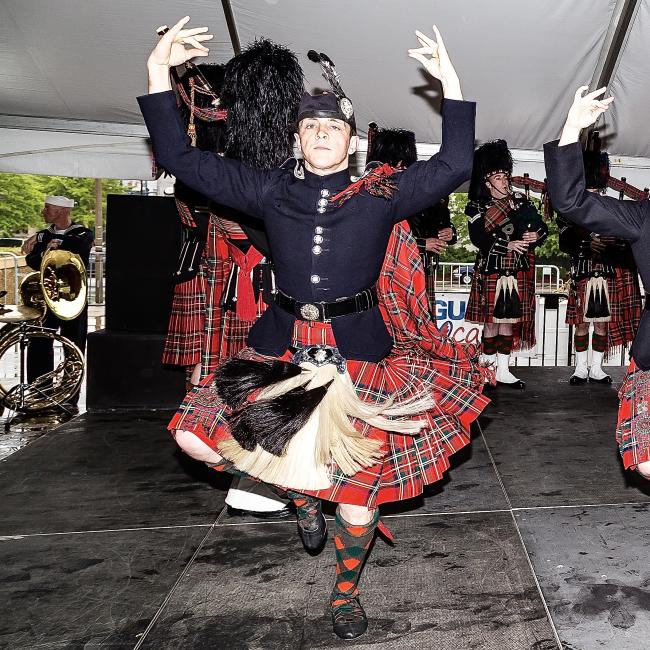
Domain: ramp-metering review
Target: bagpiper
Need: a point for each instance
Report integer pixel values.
(603, 282)
(506, 228)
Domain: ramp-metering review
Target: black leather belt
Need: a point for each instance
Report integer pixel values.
(647, 301)
(325, 311)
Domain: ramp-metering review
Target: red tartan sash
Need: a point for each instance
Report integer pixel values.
(246, 308)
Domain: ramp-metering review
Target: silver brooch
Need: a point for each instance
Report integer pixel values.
(346, 107)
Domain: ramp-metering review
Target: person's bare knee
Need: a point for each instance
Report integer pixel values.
(490, 330)
(196, 448)
(505, 329)
(195, 377)
(644, 469)
(600, 328)
(357, 515)
(582, 329)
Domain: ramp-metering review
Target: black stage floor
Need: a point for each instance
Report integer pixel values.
(111, 539)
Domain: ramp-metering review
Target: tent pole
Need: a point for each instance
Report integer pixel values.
(99, 243)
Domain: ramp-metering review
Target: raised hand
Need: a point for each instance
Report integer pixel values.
(584, 111)
(171, 49)
(434, 57)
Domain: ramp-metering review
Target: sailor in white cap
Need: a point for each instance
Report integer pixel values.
(66, 235)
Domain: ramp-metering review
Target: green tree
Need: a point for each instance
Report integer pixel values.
(21, 202)
(22, 196)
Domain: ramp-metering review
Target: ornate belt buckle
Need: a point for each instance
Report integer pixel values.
(309, 312)
(320, 355)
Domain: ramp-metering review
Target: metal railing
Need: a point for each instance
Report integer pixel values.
(9, 280)
(454, 276)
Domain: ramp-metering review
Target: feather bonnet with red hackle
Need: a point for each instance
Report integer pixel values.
(335, 104)
(393, 146)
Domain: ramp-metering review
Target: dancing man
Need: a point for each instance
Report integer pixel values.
(320, 403)
(610, 217)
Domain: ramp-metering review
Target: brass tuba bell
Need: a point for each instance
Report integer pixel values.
(61, 285)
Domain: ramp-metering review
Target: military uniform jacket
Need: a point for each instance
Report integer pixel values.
(629, 220)
(492, 239)
(321, 250)
(76, 239)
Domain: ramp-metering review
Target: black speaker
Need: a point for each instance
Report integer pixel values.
(143, 240)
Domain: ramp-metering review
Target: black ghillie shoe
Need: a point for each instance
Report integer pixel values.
(517, 385)
(313, 531)
(605, 380)
(574, 380)
(349, 620)
(270, 515)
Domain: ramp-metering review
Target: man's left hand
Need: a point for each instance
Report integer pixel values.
(439, 64)
(530, 237)
(53, 245)
(446, 234)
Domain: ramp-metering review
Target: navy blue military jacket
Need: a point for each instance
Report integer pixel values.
(321, 252)
(629, 220)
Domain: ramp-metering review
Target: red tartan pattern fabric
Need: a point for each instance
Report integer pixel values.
(482, 295)
(422, 357)
(633, 428)
(199, 331)
(626, 306)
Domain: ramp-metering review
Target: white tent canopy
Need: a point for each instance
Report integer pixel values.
(70, 71)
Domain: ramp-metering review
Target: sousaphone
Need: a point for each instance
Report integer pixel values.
(62, 287)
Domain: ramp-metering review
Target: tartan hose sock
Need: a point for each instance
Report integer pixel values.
(581, 342)
(489, 345)
(598, 342)
(504, 343)
(352, 546)
(307, 509)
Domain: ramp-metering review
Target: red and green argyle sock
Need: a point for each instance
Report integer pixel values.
(306, 509)
(504, 343)
(352, 544)
(598, 342)
(489, 345)
(581, 342)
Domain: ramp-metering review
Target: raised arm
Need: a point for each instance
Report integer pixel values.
(226, 181)
(566, 181)
(425, 183)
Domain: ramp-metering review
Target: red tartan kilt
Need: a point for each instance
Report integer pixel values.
(633, 427)
(409, 462)
(186, 323)
(482, 296)
(624, 299)
(235, 332)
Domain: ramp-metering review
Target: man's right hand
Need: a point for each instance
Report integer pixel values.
(28, 246)
(171, 51)
(518, 246)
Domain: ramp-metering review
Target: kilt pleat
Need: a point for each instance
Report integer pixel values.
(633, 428)
(626, 306)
